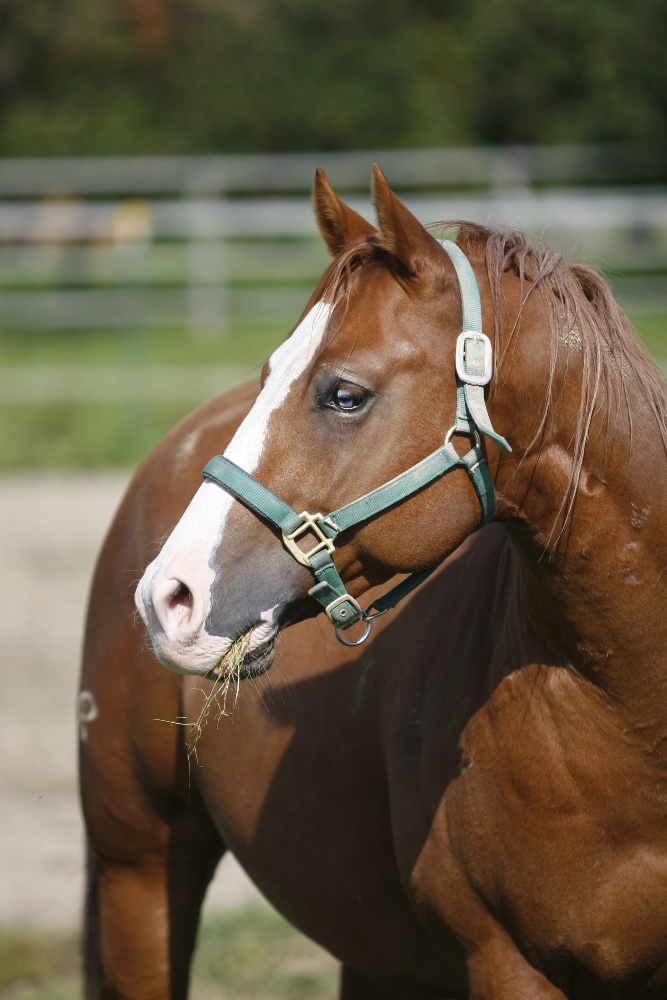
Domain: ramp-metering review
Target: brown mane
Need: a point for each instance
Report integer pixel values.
(583, 316)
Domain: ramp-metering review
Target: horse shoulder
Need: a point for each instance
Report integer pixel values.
(555, 823)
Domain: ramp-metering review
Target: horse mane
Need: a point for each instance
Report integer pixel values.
(583, 317)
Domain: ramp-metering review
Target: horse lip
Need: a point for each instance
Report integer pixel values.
(255, 662)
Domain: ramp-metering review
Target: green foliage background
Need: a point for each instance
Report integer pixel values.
(168, 76)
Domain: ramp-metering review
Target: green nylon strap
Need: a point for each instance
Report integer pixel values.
(330, 585)
(265, 503)
(253, 493)
(329, 588)
(480, 477)
(326, 592)
(464, 422)
(471, 410)
(471, 302)
(397, 489)
(478, 416)
(401, 590)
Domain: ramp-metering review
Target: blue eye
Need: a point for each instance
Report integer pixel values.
(347, 397)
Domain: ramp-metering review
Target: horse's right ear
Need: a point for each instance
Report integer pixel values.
(339, 224)
(403, 234)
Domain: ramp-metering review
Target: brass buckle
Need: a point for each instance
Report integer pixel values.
(310, 523)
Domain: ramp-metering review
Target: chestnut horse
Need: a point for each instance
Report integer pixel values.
(473, 803)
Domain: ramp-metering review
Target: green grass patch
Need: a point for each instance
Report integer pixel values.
(82, 435)
(254, 953)
(652, 328)
(39, 964)
(248, 954)
(249, 345)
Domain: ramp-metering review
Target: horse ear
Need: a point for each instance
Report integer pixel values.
(404, 236)
(339, 224)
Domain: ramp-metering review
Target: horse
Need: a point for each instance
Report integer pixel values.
(472, 802)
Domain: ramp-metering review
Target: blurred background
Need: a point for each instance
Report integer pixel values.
(156, 244)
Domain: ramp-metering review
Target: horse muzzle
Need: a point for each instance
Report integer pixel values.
(177, 627)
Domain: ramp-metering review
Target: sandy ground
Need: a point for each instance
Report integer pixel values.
(50, 530)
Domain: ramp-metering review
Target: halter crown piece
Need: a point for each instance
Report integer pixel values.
(474, 367)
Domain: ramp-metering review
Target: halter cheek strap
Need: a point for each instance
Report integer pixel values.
(474, 354)
(474, 366)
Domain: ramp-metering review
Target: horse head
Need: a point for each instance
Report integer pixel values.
(363, 388)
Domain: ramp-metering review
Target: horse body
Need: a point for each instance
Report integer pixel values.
(473, 803)
(158, 827)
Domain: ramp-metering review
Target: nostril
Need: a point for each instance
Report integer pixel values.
(180, 603)
(182, 596)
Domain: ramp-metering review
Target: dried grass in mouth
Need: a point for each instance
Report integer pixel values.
(226, 675)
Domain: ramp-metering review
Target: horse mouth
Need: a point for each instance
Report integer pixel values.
(255, 663)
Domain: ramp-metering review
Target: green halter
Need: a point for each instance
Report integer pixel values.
(474, 367)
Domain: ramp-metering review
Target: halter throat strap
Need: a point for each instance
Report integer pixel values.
(473, 372)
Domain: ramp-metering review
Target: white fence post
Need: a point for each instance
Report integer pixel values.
(206, 253)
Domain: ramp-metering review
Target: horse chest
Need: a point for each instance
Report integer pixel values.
(294, 821)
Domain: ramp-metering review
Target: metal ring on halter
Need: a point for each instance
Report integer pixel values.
(453, 430)
(356, 642)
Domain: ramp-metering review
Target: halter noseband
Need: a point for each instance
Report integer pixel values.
(474, 367)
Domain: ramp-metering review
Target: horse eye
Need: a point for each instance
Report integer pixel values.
(347, 397)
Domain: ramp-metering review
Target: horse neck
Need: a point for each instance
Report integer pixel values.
(595, 587)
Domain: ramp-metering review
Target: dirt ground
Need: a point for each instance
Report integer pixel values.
(51, 527)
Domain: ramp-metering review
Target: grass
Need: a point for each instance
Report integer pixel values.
(254, 953)
(172, 345)
(82, 435)
(38, 964)
(652, 328)
(247, 954)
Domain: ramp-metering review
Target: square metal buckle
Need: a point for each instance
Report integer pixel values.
(310, 524)
(474, 358)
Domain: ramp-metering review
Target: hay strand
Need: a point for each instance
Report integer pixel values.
(226, 675)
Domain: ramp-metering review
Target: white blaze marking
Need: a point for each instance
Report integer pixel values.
(187, 552)
(286, 364)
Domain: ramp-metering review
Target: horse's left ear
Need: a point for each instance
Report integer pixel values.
(339, 224)
(404, 235)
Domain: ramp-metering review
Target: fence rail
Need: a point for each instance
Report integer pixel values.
(213, 242)
(406, 168)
